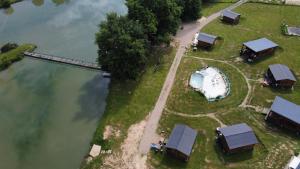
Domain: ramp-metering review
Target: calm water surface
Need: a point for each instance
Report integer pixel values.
(48, 112)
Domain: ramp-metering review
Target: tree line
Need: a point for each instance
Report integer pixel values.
(125, 42)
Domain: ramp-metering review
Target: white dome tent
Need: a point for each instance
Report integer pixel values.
(211, 82)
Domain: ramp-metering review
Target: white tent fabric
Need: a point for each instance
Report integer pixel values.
(211, 82)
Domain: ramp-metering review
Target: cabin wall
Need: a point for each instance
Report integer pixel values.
(266, 52)
(226, 149)
(177, 154)
(286, 83)
(250, 54)
(204, 44)
(282, 122)
(282, 83)
(241, 149)
(230, 20)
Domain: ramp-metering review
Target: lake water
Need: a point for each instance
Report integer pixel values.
(48, 111)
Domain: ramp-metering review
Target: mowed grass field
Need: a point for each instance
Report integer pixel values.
(276, 145)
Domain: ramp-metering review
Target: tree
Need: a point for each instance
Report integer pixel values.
(122, 46)
(191, 9)
(4, 3)
(161, 17)
(7, 47)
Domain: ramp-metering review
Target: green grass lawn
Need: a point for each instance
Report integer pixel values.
(273, 151)
(257, 23)
(8, 58)
(276, 145)
(184, 99)
(210, 8)
(129, 102)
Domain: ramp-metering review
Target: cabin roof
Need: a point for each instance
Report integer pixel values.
(286, 109)
(281, 72)
(204, 37)
(295, 163)
(182, 139)
(238, 135)
(230, 14)
(260, 44)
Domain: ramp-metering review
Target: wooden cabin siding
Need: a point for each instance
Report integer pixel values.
(205, 45)
(177, 154)
(250, 54)
(266, 52)
(283, 122)
(280, 83)
(286, 83)
(230, 20)
(226, 149)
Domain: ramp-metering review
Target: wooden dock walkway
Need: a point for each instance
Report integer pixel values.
(68, 61)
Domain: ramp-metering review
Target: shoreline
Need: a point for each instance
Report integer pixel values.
(14, 55)
(10, 3)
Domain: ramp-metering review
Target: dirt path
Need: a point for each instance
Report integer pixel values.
(129, 156)
(184, 37)
(210, 115)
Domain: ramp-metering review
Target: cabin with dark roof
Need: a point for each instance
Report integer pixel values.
(285, 114)
(206, 40)
(181, 142)
(230, 17)
(236, 138)
(256, 49)
(279, 75)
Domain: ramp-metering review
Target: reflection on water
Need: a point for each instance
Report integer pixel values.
(10, 10)
(48, 112)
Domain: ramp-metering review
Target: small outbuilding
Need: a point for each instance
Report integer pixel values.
(181, 142)
(230, 17)
(256, 49)
(279, 75)
(285, 114)
(294, 163)
(236, 138)
(206, 40)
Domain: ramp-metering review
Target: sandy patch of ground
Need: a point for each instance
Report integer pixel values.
(110, 131)
(129, 157)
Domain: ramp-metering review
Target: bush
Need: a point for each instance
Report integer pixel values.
(283, 27)
(7, 47)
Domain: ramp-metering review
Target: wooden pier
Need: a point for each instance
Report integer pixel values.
(68, 61)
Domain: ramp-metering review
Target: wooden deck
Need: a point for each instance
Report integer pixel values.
(68, 61)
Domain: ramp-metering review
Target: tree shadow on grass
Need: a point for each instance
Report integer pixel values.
(92, 100)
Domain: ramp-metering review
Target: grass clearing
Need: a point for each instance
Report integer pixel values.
(210, 8)
(256, 23)
(276, 145)
(184, 99)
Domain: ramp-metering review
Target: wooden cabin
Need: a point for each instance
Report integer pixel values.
(285, 114)
(294, 163)
(206, 40)
(256, 49)
(181, 142)
(281, 76)
(230, 17)
(236, 138)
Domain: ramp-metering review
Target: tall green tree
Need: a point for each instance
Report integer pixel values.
(160, 18)
(191, 9)
(122, 46)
